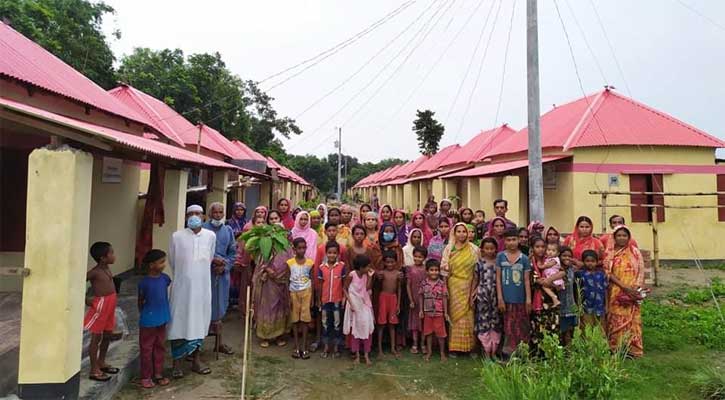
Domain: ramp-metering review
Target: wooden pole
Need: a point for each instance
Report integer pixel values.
(604, 213)
(247, 331)
(655, 246)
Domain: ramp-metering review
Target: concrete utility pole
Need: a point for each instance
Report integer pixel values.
(339, 163)
(536, 184)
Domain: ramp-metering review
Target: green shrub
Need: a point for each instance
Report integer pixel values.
(711, 383)
(669, 327)
(587, 369)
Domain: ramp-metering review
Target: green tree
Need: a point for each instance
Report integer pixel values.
(70, 29)
(428, 130)
(317, 171)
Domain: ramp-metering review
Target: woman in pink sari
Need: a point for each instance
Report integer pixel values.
(417, 220)
(303, 230)
(260, 211)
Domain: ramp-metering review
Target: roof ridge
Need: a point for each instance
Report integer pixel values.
(137, 95)
(589, 114)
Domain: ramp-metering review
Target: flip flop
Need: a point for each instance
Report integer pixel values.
(147, 384)
(264, 344)
(110, 370)
(281, 343)
(201, 371)
(324, 354)
(296, 354)
(162, 381)
(99, 378)
(336, 355)
(224, 349)
(305, 355)
(414, 350)
(177, 374)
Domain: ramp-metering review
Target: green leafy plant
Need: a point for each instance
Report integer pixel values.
(265, 241)
(711, 383)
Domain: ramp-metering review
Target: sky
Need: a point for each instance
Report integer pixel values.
(463, 59)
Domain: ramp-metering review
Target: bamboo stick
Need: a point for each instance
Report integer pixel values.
(246, 344)
(655, 247)
(660, 193)
(658, 206)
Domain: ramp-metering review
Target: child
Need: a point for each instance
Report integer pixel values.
(568, 311)
(331, 274)
(480, 217)
(416, 275)
(552, 265)
(300, 287)
(440, 241)
(513, 289)
(100, 319)
(331, 231)
(415, 239)
(433, 297)
(593, 281)
(359, 319)
(153, 306)
(388, 300)
(488, 318)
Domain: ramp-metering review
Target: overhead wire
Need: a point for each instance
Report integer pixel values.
(366, 85)
(586, 41)
(503, 72)
(611, 47)
(702, 15)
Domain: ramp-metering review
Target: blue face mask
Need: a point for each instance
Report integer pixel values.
(388, 236)
(217, 222)
(193, 222)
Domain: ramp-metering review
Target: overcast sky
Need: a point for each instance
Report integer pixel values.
(669, 57)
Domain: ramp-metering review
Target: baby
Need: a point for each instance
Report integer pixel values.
(552, 265)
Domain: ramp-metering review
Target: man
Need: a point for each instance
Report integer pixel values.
(221, 265)
(500, 208)
(375, 202)
(190, 253)
(614, 221)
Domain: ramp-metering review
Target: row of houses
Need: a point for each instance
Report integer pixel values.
(80, 164)
(601, 142)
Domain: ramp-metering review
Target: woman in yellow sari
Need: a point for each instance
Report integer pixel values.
(625, 268)
(458, 264)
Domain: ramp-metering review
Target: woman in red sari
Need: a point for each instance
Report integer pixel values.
(583, 239)
(625, 267)
(284, 206)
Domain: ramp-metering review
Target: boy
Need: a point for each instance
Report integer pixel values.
(100, 319)
(154, 313)
(300, 287)
(331, 230)
(388, 300)
(331, 274)
(433, 296)
(513, 289)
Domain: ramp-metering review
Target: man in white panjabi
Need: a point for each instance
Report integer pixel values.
(190, 254)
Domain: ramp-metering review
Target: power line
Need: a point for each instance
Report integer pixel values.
(611, 48)
(701, 15)
(354, 74)
(586, 42)
(470, 63)
(480, 69)
(505, 59)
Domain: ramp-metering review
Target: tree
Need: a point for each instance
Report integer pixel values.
(201, 88)
(429, 132)
(70, 29)
(315, 170)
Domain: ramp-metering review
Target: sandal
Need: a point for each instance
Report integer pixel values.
(314, 346)
(110, 370)
(100, 378)
(324, 354)
(305, 355)
(336, 355)
(224, 349)
(281, 343)
(177, 374)
(201, 370)
(264, 344)
(162, 381)
(414, 350)
(147, 384)
(296, 354)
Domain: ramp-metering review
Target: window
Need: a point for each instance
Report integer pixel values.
(721, 198)
(646, 183)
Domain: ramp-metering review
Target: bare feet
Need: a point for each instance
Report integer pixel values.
(427, 357)
(367, 361)
(443, 358)
(356, 360)
(381, 355)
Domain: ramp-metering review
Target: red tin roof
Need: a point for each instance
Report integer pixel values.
(477, 148)
(490, 169)
(247, 152)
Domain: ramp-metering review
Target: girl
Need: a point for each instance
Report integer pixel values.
(594, 283)
(440, 241)
(625, 267)
(322, 209)
(317, 226)
(582, 239)
(386, 214)
(285, 211)
(415, 239)
(274, 217)
(488, 318)
(259, 212)
(466, 215)
(364, 209)
(401, 229)
(389, 242)
(359, 319)
(479, 218)
(431, 215)
(551, 235)
(415, 276)
(524, 240)
(544, 318)
(302, 230)
(496, 228)
(371, 228)
(418, 221)
(568, 310)
(358, 247)
(458, 263)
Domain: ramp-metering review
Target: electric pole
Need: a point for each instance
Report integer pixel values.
(536, 184)
(339, 163)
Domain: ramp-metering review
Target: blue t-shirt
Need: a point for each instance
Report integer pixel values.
(594, 291)
(155, 310)
(512, 277)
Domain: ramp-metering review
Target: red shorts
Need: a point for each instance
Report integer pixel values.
(101, 317)
(388, 309)
(434, 325)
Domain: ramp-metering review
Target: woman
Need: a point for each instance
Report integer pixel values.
(625, 267)
(370, 222)
(459, 262)
(285, 210)
(466, 215)
(259, 212)
(552, 235)
(364, 209)
(414, 239)
(544, 317)
(582, 239)
(317, 226)
(238, 219)
(496, 229)
(417, 220)
(274, 217)
(303, 230)
(271, 299)
(237, 222)
(401, 229)
(322, 209)
(386, 214)
(440, 241)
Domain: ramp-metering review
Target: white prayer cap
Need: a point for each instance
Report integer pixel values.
(194, 208)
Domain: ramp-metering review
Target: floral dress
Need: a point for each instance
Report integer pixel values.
(488, 317)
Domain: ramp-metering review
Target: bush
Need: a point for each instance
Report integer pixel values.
(587, 369)
(670, 327)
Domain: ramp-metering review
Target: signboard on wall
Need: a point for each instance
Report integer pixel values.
(112, 168)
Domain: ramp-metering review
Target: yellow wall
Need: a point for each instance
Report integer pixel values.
(410, 196)
(56, 251)
(114, 214)
(450, 189)
(218, 191)
(511, 191)
(559, 203)
(265, 191)
(144, 178)
(489, 188)
(645, 155)
(174, 209)
(438, 190)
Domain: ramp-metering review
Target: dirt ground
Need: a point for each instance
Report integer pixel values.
(273, 374)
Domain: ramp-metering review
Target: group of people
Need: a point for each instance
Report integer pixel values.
(438, 273)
